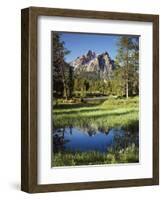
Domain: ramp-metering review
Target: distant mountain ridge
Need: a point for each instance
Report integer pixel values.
(99, 64)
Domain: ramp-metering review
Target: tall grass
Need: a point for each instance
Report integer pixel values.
(128, 155)
(113, 112)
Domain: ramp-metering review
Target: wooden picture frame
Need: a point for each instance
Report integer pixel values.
(29, 112)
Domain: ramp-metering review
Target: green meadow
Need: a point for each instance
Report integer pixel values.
(108, 114)
(114, 112)
(113, 156)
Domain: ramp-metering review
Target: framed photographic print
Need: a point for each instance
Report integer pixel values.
(90, 99)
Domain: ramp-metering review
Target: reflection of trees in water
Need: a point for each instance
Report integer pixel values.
(125, 139)
(122, 137)
(59, 140)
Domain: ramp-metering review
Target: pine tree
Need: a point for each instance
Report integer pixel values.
(128, 60)
(57, 60)
(60, 67)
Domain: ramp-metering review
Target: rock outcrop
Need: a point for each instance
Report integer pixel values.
(101, 65)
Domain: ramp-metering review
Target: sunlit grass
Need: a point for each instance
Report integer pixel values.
(113, 112)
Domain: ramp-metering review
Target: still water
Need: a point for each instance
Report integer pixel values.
(75, 139)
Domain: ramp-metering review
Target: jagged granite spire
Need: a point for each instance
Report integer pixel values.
(101, 64)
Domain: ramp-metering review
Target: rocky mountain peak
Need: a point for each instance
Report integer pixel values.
(91, 54)
(100, 64)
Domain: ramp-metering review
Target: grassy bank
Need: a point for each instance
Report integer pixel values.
(128, 155)
(111, 113)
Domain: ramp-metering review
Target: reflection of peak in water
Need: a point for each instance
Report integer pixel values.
(92, 131)
(90, 140)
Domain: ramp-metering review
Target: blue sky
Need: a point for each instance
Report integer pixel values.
(79, 44)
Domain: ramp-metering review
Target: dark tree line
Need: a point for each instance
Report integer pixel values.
(62, 71)
(124, 80)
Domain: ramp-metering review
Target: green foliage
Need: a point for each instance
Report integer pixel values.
(57, 61)
(128, 155)
(127, 61)
(63, 78)
(113, 112)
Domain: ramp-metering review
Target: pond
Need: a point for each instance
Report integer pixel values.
(75, 139)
